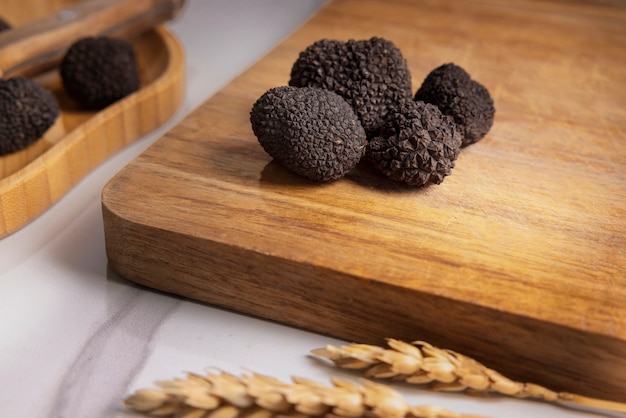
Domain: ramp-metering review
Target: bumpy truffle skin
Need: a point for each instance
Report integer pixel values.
(372, 75)
(310, 131)
(451, 88)
(418, 145)
(27, 111)
(97, 71)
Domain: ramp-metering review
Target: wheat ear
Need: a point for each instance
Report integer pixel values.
(223, 395)
(445, 370)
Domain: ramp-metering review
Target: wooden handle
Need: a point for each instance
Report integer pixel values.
(41, 44)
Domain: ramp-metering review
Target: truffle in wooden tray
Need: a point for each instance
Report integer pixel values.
(34, 178)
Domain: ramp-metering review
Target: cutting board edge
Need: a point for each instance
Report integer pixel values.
(235, 282)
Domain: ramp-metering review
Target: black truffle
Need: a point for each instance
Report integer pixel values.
(27, 111)
(312, 132)
(4, 25)
(97, 71)
(451, 89)
(372, 75)
(418, 145)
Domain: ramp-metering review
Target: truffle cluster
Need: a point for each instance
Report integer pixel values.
(410, 139)
(371, 75)
(312, 132)
(97, 71)
(451, 89)
(27, 111)
(417, 146)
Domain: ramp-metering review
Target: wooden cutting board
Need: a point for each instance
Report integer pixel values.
(517, 258)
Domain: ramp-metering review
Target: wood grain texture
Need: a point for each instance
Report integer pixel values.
(516, 259)
(34, 179)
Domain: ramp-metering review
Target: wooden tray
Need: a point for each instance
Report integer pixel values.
(516, 259)
(34, 179)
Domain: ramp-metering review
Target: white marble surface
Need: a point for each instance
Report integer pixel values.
(75, 339)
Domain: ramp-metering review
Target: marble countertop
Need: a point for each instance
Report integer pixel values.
(76, 339)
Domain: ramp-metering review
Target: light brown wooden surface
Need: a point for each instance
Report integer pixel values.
(35, 178)
(517, 259)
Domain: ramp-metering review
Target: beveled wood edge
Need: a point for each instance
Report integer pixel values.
(531, 350)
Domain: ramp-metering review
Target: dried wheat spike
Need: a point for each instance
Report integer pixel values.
(223, 395)
(445, 370)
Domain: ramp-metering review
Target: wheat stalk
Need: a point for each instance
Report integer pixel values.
(445, 370)
(223, 395)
